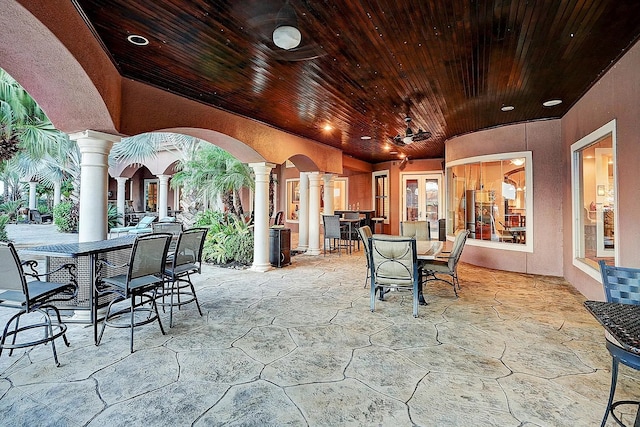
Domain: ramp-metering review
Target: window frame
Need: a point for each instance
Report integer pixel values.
(529, 207)
(576, 199)
(387, 197)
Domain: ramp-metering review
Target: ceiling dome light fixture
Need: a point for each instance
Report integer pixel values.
(552, 102)
(507, 108)
(286, 35)
(138, 40)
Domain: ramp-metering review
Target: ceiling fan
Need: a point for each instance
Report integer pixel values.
(409, 136)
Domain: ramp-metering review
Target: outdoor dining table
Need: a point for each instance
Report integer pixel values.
(622, 321)
(84, 256)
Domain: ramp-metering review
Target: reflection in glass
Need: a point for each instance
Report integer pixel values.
(489, 199)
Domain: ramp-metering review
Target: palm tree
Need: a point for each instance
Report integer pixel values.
(213, 171)
(23, 124)
(203, 169)
(30, 146)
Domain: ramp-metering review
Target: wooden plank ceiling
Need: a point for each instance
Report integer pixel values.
(362, 66)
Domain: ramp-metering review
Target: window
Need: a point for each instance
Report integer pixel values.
(340, 195)
(593, 189)
(151, 195)
(381, 195)
(293, 199)
(492, 197)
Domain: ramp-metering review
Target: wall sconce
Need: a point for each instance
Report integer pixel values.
(600, 190)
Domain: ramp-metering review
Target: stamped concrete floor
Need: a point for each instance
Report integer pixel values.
(299, 346)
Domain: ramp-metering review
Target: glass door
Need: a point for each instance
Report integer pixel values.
(421, 201)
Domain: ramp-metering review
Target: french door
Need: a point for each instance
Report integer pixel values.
(422, 197)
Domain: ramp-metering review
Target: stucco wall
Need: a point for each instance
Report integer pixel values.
(542, 138)
(615, 96)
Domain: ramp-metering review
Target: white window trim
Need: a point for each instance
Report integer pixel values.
(373, 190)
(576, 206)
(528, 170)
(287, 200)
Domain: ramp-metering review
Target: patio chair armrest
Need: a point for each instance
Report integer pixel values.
(31, 264)
(101, 263)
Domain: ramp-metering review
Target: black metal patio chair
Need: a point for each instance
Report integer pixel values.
(37, 297)
(185, 261)
(621, 285)
(139, 285)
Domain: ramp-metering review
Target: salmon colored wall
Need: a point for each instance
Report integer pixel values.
(615, 96)
(542, 138)
(56, 58)
(395, 183)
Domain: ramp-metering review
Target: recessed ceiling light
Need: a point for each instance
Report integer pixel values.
(393, 152)
(138, 40)
(365, 137)
(327, 128)
(552, 102)
(508, 108)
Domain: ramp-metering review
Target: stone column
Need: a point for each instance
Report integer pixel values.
(303, 213)
(33, 203)
(94, 150)
(163, 191)
(57, 192)
(121, 198)
(261, 216)
(329, 184)
(314, 213)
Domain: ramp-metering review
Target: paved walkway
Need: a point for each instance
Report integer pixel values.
(24, 235)
(299, 346)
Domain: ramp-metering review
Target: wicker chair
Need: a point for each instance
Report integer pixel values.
(621, 285)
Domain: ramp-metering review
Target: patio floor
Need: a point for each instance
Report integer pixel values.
(299, 346)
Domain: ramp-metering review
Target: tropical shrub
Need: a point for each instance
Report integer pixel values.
(4, 219)
(229, 240)
(113, 217)
(65, 217)
(10, 208)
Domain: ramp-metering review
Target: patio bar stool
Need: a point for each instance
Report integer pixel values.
(180, 265)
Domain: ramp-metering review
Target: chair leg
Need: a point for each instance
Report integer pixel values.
(612, 391)
(49, 333)
(131, 308)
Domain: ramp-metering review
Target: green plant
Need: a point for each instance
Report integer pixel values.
(4, 219)
(65, 217)
(113, 217)
(10, 208)
(229, 240)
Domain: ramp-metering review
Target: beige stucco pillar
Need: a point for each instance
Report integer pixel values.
(163, 191)
(33, 203)
(314, 213)
(303, 213)
(94, 150)
(329, 184)
(57, 192)
(261, 216)
(120, 197)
